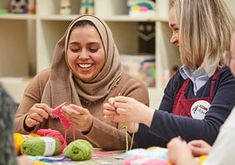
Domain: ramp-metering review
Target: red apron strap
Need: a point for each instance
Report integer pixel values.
(183, 88)
(213, 80)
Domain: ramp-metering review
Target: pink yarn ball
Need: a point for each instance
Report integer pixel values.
(55, 134)
(156, 161)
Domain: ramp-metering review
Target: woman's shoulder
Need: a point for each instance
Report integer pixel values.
(41, 78)
(225, 75)
(225, 71)
(175, 81)
(43, 75)
(128, 81)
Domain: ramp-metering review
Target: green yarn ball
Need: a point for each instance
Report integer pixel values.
(36, 146)
(79, 150)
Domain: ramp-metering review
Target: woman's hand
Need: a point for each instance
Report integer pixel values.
(110, 112)
(37, 114)
(179, 152)
(79, 116)
(199, 147)
(120, 109)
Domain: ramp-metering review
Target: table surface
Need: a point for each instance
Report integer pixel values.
(99, 157)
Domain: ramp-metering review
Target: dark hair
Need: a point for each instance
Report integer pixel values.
(83, 23)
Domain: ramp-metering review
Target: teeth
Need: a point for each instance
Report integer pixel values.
(84, 65)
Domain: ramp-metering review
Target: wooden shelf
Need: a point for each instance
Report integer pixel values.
(116, 18)
(18, 16)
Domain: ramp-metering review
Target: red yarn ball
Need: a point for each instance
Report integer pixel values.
(55, 134)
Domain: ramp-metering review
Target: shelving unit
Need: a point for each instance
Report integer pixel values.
(27, 41)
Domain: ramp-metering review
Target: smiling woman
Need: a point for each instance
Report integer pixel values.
(85, 73)
(85, 54)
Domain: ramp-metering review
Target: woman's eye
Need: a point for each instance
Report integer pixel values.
(176, 29)
(74, 49)
(93, 50)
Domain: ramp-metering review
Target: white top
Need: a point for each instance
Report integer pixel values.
(198, 77)
(223, 151)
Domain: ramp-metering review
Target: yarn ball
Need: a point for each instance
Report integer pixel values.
(41, 146)
(19, 139)
(39, 163)
(55, 134)
(79, 150)
(201, 159)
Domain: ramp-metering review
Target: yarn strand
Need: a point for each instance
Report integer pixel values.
(127, 143)
(132, 138)
(74, 137)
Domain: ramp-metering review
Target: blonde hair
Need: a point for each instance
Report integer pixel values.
(206, 28)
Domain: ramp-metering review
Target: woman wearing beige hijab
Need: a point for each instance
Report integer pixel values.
(85, 73)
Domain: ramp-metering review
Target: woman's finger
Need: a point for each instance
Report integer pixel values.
(44, 107)
(108, 112)
(122, 99)
(109, 107)
(35, 116)
(31, 122)
(111, 100)
(79, 109)
(67, 110)
(122, 111)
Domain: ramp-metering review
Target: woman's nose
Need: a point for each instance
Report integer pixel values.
(173, 39)
(83, 54)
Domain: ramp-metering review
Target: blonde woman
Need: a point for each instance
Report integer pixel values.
(200, 96)
(180, 153)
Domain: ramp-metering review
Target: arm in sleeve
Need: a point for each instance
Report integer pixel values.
(165, 125)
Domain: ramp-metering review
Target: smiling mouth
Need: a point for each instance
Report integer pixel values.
(84, 66)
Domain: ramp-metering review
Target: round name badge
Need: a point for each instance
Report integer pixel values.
(199, 109)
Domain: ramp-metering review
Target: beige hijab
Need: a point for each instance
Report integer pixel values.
(63, 86)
